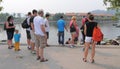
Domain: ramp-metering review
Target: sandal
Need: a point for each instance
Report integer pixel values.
(84, 60)
(92, 61)
(43, 60)
(9, 47)
(38, 58)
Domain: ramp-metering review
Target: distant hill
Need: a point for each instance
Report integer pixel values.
(103, 12)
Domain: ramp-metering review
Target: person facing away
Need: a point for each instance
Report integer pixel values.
(17, 40)
(88, 31)
(73, 30)
(61, 25)
(84, 20)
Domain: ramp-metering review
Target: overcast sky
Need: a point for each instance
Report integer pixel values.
(52, 6)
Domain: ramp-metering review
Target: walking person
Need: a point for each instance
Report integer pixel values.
(10, 31)
(73, 30)
(17, 40)
(61, 25)
(88, 31)
(47, 27)
(28, 31)
(40, 33)
(34, 12)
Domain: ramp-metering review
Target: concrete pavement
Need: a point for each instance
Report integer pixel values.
(60, 58)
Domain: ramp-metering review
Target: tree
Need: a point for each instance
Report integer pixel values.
(1, 6)
(113, 4)
(57, 16)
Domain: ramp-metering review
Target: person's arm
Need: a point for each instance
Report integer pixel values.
(43, 30)
(65, 27)
(32, 26)
(85, 29)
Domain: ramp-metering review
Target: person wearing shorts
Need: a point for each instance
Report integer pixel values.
(28, 31)
(40, 33)
(73, 30)
(10, 31)
(88, 31)
(47, 27)
(32, 31)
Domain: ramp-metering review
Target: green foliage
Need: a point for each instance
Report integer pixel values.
(113, 4)
(57, 16)
(3, 16)
(1, 6)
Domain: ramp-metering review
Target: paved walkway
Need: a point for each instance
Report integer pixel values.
(59, 58)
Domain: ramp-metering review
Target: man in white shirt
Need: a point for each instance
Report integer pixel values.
(47, 27)
(39, 27)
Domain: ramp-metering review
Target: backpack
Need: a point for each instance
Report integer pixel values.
(97, 34)
(25, 24)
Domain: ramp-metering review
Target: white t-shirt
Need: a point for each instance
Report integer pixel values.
(47, 27)
(38, 21)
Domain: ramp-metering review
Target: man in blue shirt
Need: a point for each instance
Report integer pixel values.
(61, 25)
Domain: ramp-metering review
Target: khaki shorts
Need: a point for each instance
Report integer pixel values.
(40, 41)
(32, 36)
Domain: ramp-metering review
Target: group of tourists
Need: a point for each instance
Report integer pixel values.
(38, 33)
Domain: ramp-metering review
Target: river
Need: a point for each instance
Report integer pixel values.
(110, 32)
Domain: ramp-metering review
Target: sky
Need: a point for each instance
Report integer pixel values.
(52, 6)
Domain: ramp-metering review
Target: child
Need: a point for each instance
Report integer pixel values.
(17, 40)
(68, 42)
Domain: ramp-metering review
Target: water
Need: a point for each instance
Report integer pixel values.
(110, 32)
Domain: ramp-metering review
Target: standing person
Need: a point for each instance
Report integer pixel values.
(40, 33)
(88, 31)
(47, 27)
(10, 31)
(61, 25)
(32, 31)
(73, 30)
(28, 31)
(17, 40)
(84, 20)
